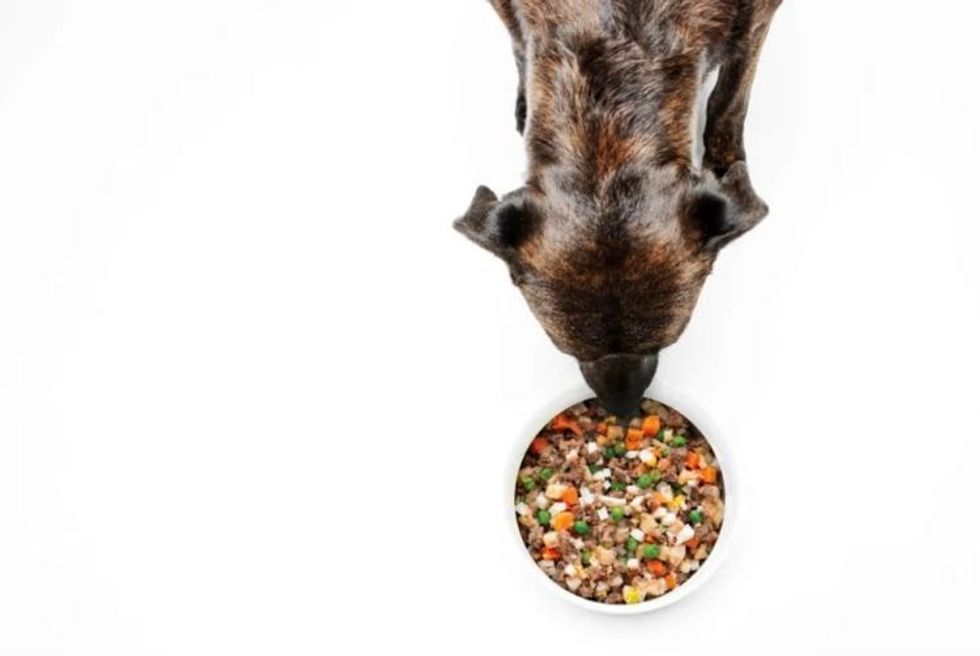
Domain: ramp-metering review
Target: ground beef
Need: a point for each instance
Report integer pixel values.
(619, 512)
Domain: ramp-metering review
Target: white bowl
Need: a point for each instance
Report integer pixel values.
(697, 417)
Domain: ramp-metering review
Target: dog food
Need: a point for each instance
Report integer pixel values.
(619, 512)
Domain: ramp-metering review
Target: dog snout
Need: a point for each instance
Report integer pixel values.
(619, 381)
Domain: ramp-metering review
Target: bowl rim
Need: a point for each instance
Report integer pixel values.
(697, 416)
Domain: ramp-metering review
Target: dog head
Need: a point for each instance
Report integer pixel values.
(613, 276)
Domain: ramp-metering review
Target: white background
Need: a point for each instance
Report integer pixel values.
(257, 397)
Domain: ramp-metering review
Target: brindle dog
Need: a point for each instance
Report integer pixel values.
(634, 186)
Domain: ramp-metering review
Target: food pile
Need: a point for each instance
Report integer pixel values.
(619, 512)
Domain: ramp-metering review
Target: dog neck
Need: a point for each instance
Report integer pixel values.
(599, 107)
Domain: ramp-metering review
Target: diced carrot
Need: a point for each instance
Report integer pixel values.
(550, 553)
(709, 475)
(539, 444)
(563, 521)
(692, 544)
(651, 425)
(570, 496)
(671, 581)
(634, 439)
(562, 423)
(656, 567)
(601, 428)
(693, 460)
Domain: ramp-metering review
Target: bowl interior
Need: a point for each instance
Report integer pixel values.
(702, 423)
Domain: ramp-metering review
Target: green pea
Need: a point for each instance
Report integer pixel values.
(617, 486)
(586, 558)
(528, 483)
(662, 435)
(619, 449)
(631, 545)
(651, 551)
(696, 516)
(594, 468)
(609, 452)
(545, 474)
(618, 513)
(644, 481)
(679, 441)
(656, 475)
(544, 517)
(581, 527)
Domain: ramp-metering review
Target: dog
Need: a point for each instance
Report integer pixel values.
(633, 114)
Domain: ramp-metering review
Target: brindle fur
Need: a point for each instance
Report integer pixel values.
(619, 223)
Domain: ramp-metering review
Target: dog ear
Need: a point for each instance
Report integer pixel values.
(729, 211)
(499, 226)
(714, 217)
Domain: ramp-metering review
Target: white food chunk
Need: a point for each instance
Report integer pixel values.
(686, 533)
(687, 476)
(676, 554)
(555, 490)
(605, 556)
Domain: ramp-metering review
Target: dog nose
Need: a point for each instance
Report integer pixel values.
(619, 380)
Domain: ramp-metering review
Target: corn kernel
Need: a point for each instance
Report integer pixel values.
(631, 595)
